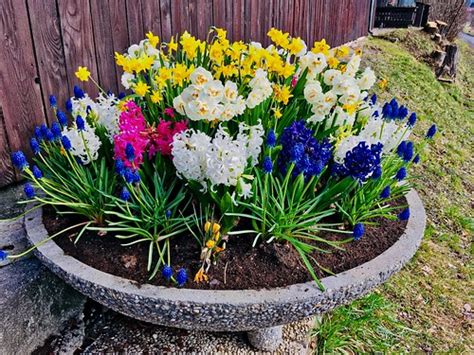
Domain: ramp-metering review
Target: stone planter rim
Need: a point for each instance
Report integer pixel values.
(373, 272)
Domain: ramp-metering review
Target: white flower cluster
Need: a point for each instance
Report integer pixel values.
(85, 144)
(377, 130)
(108, 113)
(261, 88)
(345, 89)
(220, 160)
(207, 99)
(104, 111)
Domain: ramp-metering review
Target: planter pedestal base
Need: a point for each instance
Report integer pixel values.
(267, 339)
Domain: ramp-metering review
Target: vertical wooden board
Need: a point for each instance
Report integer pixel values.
(78, 39)
(238, 16)
(255, 21)
(192, 17)
(102, 26)
(7, 174)
(49, 52)
(118, 26)
(152, 16)
(135, 21)
(180, 16)
(203, 17)
(265, 11)
(228, 11)
(317, 14)
(20, 94)
(218, 13)
(165, 7)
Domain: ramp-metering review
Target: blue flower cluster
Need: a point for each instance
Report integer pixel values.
(358, 231)
(361, 162)
(392, 111)
(301, 148)
(128, 174)
(405, 150)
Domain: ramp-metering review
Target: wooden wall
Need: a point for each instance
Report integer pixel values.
(44, 41)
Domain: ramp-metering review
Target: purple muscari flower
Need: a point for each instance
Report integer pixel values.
(78, 93)
(267, 165)
(168, 214)
(404, 215)
(300, 147)
(68, 105)
(358, 231)
(361, 162)
(66, 143)
(3, 255)
(125, 194)
(387, 111)
(271, 138)
(121, 95)
(29, 190)
(416, 160)
(130, 152)
(385, 192)
(44, 130)
(136, 176)
(373, 99)
(62, 118)
(56, 130)
(431, 132)
(401, 149)
(19, 160)
(38, 134)
(52, 100)
(37, 173)
(408, 153)
(119, 167)
(128, 176)
(401, 174)
(80, 123)
(377, 172)
(49, 135)
(35, 147)
(412, 119)
(181, 277)
(402, 112)
(167, 272)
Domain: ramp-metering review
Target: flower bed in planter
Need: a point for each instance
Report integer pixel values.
(217, 142)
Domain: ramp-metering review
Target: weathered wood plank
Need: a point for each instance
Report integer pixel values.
(118, 14)
(78, 39)
(180, 16)
(20, 94)
(238, 14)
(166, 31)
(151, 17)
(7, 175)
(102, 27)
(135, 21)
(49, 51)
(204, 18)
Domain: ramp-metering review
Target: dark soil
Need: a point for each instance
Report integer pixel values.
(239, 267)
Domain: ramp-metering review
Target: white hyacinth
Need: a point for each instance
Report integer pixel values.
(85, 144)
(108, 114)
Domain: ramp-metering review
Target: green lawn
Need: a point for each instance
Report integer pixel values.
(426, 307)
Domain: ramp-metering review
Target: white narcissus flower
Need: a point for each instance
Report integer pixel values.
(127, 80)
(78, 138)
(353, 66)
(178, 104)
(331, 75)
(367, 80)
(315, 63)
(200, 76)
(313, 92)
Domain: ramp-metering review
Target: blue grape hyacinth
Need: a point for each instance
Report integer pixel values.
(62, 118)
(385, 192)
(358, 231)
(34, 145)
(267, 165)
(29, 190)
(167, 272)
(404, 215)
(361, 162)
(19, 160)
(125, 194)
(271, 138)
(181, 277)
(66, 143)
(3, 255)
(80, 123)
(401, 174)
(431, 132)
(130, 152)
(37, 173)
(52, 101)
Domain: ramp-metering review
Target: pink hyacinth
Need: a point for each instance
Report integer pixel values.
(169, 112)
(132, 126)
(161, 137)
(294, 81)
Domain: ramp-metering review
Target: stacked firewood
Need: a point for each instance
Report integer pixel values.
(446, 57)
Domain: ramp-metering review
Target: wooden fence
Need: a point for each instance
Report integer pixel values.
(45, 40)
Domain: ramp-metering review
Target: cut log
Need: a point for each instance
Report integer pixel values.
(449, 63)
(438, 57)
(431, 27)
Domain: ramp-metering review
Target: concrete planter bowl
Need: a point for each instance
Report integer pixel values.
(259, 312)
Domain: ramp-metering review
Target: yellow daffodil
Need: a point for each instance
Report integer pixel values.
(343, 132)
(152, 39)
(156, 97)
(282, 93)
(121, 106)
(341, 52)
(172, 46)
(181, 73)
(190, 45)
(321, 47)
(358, 52)
(351, 108)
(210, 244)
(277, 113)
(279, 38)
(383, 83)
(82, 73)
(141, 88)
(221, 33)
(333, 62)
(296, 45)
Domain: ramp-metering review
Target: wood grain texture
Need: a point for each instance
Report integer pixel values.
(119, 29)
(135, 21)
(49, 51)
(152, 17)
(7, 174)
(166, 30)
(20, 94)
(78, 38)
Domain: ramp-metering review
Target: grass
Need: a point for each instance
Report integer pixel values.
(432, 296)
